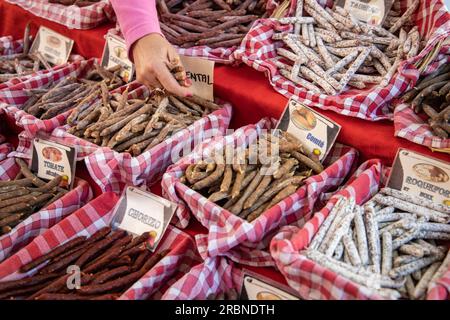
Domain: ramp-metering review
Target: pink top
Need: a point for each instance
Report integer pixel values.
(137, 18)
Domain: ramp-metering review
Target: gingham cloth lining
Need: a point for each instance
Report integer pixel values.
(311, 280)
(5, 147)
(86, 221)
(40, 221)
(412, 127)
(257, 49)
(12, 98)
(214, 275)
(73, 17)
(226, 230)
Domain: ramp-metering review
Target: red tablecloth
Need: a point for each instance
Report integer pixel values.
(248, 90)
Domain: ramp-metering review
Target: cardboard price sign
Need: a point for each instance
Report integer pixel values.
(115, 53)
(54, 47)
(50, 159)
(422, 176)
(317, 133)
(139, 211)
(257, 287)
(201, 73)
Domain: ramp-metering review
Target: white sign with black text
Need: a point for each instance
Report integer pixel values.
(54, 47)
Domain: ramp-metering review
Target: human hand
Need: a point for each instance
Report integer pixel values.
(154, 57)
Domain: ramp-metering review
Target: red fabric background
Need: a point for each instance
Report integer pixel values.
(246, 89)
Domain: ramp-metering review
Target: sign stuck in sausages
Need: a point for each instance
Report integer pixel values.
(317, 133)
(257, 287)
(115, 53)
(50, 159)
(201, 73)
(422, 176)
(139, 211)
(54, 47)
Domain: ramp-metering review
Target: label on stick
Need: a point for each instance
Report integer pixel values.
(115, 53)
(257, 287)
(201, 73)
(317, 133)
(54, 47)
(372, 12)
(422, 176)
(51, 159)
(139, 211)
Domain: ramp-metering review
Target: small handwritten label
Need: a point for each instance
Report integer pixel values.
(115, 53)
(201, 73)
(317, 133)
(370, 11)
(51, 159)
(139, 211)
(54, 47)
(422, 176)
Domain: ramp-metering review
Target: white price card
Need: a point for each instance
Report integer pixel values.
(422, 176)
(115, 53)
(201, 73)
(50, 159)
(139, 211)
(372, 12)
(257, 287)
(54, 47)
(317, 133)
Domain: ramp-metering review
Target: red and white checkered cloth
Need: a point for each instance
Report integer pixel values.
(214, 275)
(42, 220)
(258, 50)
(5, 147)
(86, 221)
(309, 279)
(226, 230)
(411, 126)
(13, 97)
(73, 17)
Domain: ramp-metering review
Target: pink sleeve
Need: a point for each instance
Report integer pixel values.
(137, 18)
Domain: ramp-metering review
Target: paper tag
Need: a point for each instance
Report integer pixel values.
(139, 211)
(54, 47)
(50, 159)
(201, 73)
(421, 176)
(317, 133)
(257, 287)
(115, 53)
(372, 12)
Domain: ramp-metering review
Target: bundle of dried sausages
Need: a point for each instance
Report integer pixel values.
(135, 125)
(388, 245)
(329, 49)
(79, 3)
(251, 181)
(110, 262)
(213, 23)
(432, 96)
(22, 64)
(25, 195)
(46, 103)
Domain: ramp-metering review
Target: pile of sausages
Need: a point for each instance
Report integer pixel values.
(26, 194)
(22, 64)
(388, 245)
(135, 125)
(48, 102)
(212, 23)
(79, 3)
(432, 96)
(329, 49)
(249, 181)
(231, 294)
(110, 262)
